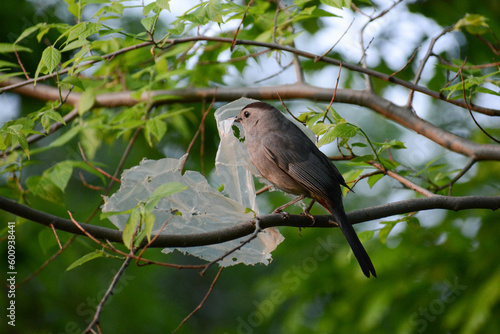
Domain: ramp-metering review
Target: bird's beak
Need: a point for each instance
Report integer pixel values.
(237, 119)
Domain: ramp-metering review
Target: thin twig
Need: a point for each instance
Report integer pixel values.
(362, 43)
(464, 170)
(233, 43)
(334, 44)
(55, 234)
(283, 69)
(424, 60)
(275, 24)
(407, 63)
(117, 171)
(404, 181)
(470, 111)
(288, 111)
(334, 91)
(493, 48)
(364, 176)
(88, 185)
(263, 189)
(48, 261)
(243, 243)
(86, 63)
(147, 262)
(202, 124)
(233, 60)
(468, 67)
(21, 64)
(109, 176)
(202, 301)
(100, 306)
(157, 235)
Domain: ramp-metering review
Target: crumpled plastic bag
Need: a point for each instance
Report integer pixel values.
(202, 207)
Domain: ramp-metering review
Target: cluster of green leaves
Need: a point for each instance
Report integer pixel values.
(82, 46)
(471, 79)
(329, 126)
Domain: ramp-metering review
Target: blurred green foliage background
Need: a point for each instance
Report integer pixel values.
(436, 277)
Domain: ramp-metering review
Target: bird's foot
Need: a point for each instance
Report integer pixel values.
(306, 213)
(334, 223)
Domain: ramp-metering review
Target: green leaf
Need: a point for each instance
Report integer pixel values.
(108, 214)
(321, 128)
(4, 63)
(340, 130)
(51, 57)
(10, 48)
(384, 232)
(327, 138)
(73, 8)
(163, 4)
(86, 101)
(413, 222)
(162, 191)
(178, 28)
(86, 258)
(149, 22)
(28, 32)
(65, 138)
(154, 128)
(10, 75)
(60, 174)
(148, 219)
(55, 116)
(130, 227)
(148, 8)
(345, 130)
(90, 139)
(214, 11)
(337, 3)
(73, 81)
(473, 23)
(374, 179)
(366, 235)
(75, 45)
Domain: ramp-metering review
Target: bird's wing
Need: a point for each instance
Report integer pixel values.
(305, 163)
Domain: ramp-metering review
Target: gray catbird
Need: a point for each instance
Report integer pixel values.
(287, 158)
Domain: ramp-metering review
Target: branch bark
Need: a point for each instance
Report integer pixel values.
(265, 221)
(398, 114)
(274, 46)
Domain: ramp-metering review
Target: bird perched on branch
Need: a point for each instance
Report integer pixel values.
(286, 157)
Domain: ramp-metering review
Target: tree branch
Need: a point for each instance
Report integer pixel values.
(274, 46)
(398, 114)
(264, 221)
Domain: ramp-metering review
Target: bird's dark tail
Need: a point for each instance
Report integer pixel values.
(353, 240)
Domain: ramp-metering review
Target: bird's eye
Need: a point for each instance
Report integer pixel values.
(246, 113)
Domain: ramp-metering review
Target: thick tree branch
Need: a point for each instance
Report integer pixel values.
(274, 46)
(400, 115)
(265, 221)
